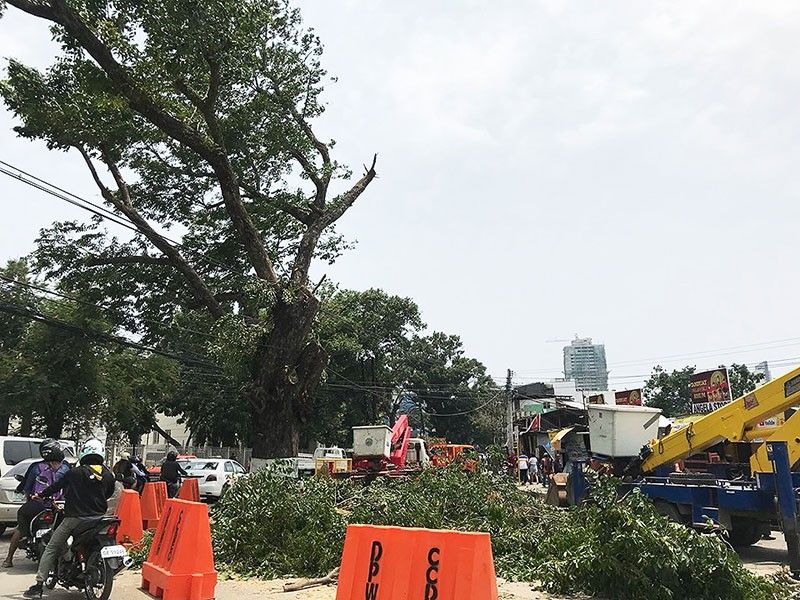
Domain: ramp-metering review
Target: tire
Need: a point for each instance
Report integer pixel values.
(669, 510)
(2, 529)
(98, 578)
(745, 532)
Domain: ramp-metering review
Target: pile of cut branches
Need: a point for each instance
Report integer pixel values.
(270, 526)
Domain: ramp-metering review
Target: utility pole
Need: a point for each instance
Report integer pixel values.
(509, 411)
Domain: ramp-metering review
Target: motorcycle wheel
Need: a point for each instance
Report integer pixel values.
(98, 578)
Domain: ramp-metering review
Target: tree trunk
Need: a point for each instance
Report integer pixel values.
(26, 422)
(286, 371)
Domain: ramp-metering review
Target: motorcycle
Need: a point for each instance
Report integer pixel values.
(91, 559)
(41, 527)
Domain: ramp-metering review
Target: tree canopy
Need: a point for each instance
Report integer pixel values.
(199, 120)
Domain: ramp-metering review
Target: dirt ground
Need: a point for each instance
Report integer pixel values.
(765, 558)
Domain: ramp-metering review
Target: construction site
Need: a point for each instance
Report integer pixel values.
(280, 282)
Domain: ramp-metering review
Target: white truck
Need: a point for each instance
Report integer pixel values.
(302, 465)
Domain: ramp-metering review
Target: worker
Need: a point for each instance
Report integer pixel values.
(533, 468)
(523, 469)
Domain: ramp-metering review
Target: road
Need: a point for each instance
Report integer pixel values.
(764, 558)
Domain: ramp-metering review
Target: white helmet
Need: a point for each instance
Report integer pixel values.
(93, 446)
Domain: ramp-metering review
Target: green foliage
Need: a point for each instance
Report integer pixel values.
(622, 548)
(135, 388)
(381, 364)
(140, 551)
(269, 525)
(669, 391)
(743, 380)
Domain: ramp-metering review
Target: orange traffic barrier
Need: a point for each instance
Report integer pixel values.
(129, 512)
(154, 496)
(180, 565)
(190, 490)
(396, 563)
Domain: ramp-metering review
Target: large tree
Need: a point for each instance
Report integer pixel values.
(201, 116)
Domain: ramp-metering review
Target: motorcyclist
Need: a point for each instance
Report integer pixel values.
(123, 471)
(140, 472)
(39, 475)
(87, 488)
(171, 472)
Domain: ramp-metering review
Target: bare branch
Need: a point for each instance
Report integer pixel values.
(310, 239)
(347, 199)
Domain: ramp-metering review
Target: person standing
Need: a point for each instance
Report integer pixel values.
(523, 469)
(547, 467)
(533, 469)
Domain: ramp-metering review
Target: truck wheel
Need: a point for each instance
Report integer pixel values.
(669, 510)
(745, 532)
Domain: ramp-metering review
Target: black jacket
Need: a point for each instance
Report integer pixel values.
(86, 492)
(171, 471)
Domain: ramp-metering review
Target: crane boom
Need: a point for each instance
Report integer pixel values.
(732, 422)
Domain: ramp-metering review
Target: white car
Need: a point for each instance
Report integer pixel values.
(214, 475)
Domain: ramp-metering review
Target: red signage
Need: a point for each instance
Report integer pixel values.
(629, 397)
(597, 399)
(709, 390)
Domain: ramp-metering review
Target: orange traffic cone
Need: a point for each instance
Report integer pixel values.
(396, 563)
(129, 512)
(154, 496)
(190, 490)
(180, 565)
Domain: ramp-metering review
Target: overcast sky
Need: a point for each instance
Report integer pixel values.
(620, 170)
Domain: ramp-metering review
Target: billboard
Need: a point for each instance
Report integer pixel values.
(629, 397)
(597, 399)
(709, 390)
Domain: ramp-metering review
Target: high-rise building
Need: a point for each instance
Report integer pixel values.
(763, 367)
(585, 364)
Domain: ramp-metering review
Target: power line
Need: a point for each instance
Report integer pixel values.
(100, 336)
(92, 207)
(95, 305)
(466, 412)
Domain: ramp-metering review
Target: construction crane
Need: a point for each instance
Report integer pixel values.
(750, 486)
(737, 421)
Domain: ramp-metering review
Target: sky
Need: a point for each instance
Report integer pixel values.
(624, 171)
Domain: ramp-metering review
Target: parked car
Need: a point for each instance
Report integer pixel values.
(16, 449)
(10, 500)
(214, 475)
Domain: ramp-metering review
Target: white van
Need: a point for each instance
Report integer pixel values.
(15, 449)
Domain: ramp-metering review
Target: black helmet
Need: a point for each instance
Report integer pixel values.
(50, 450)
(172, 455)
